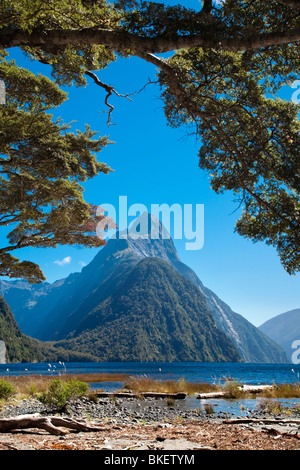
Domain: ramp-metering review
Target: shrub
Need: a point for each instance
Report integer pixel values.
(268, 405)
(60, 392)
(286, 390)
(232, 389)
(6, 389)
(209, 408)
(76, 388)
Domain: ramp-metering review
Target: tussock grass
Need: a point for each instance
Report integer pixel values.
(274, 406)
(97, 377)
(25, 386)
(233, 390)
(33, 385)
(269, 405)
(145, 384)
(285, 390)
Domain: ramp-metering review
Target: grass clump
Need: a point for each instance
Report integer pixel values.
(145, 384)
(233, 389)
(209, 408)
(284, 390)
(25, 386)
(6, 389)
(60, 392)
(270, 406)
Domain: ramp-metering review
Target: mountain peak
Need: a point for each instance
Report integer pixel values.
(60, 309)
(145, 226)
(148, 318)
(148, 237)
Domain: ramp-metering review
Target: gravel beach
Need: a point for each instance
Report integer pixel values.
(145, 424)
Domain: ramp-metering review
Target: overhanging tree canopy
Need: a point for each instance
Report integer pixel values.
(42, 166)
(229, 59)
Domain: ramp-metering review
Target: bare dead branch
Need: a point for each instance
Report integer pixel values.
(109, 90)
(150, 82)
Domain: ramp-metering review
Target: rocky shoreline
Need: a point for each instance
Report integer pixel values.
(155, 423)
(118, 410)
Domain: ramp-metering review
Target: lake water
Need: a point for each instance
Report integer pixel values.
(191, 371)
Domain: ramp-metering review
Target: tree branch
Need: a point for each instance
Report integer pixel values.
(290, 3)
(186, 101)
(109, 89)
(207, 7)
(121, 41)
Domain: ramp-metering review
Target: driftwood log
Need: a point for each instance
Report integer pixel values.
(51, 424)
(278, 431)
(243, 388)
(262, 421)
(175, 396)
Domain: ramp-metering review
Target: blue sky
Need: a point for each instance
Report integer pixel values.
(156, 164)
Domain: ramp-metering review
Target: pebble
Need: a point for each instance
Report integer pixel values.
(122, 410)
(127, 410)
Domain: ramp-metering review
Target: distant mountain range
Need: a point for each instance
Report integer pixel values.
(284, 329)
(17, 347)
(137, 301)
(155, 314)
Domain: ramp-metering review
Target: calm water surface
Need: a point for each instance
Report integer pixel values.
(190, 371)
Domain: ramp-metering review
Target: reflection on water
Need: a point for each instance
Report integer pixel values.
(107, 386)
(234, 408)
(241, 407)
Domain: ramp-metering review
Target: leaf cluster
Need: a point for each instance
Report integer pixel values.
(152, 19)
(68, 63)
(249, 17)
(42, 166)
(250, 140)
(60, 392)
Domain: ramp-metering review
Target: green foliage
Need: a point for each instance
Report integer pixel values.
(256, 16)
(235, 55)
(6, 389)
(22, 348)
(154, 315)
(232, 389)
(152, 19)
(249, 140)
(68, 63)
(59, 392)
(41, 167)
